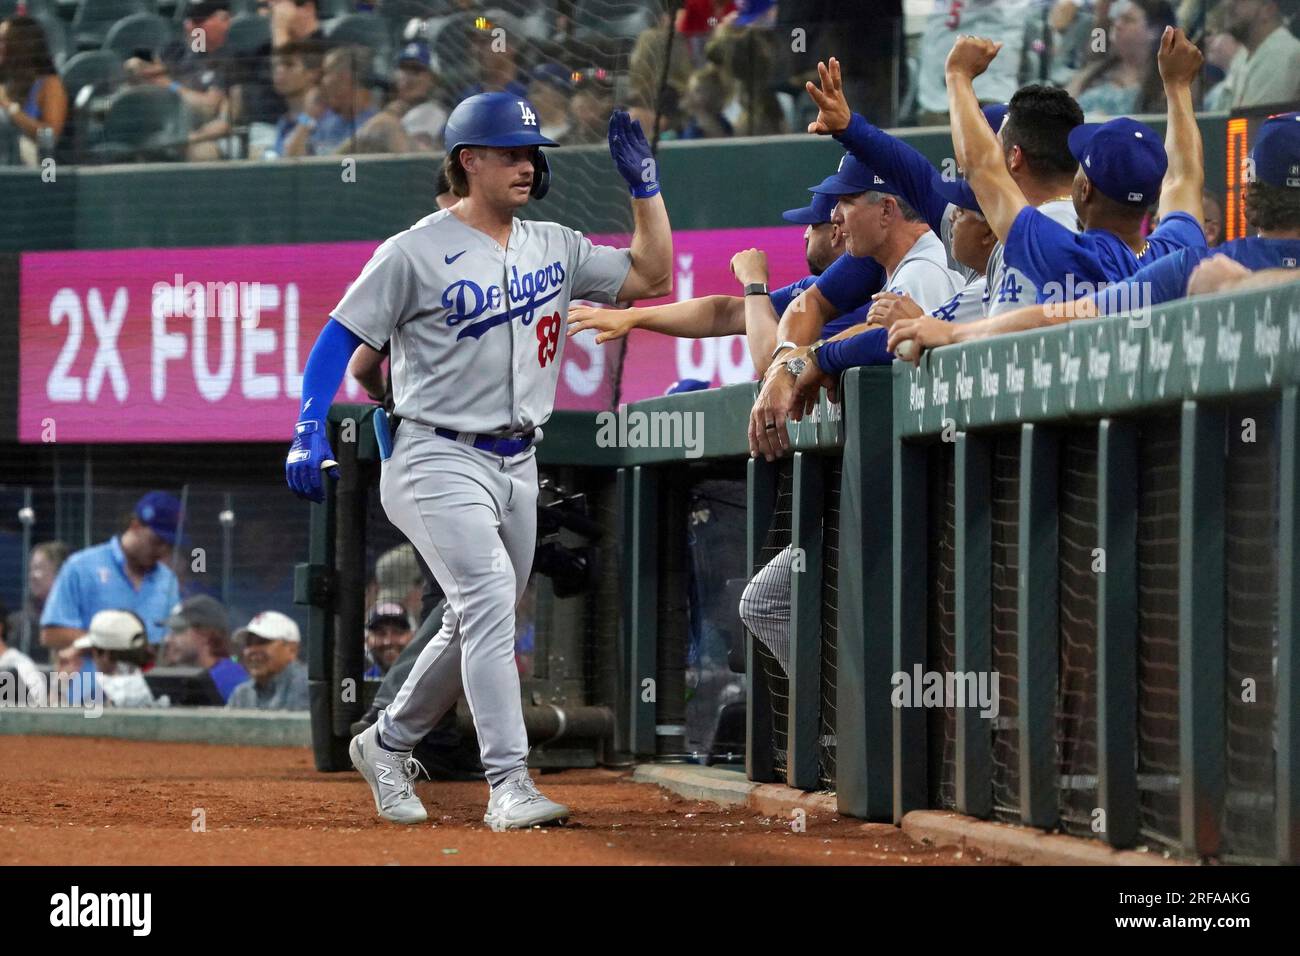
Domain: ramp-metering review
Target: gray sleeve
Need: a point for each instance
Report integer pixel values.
(598, 271)
(297, 698)
(239, 697)
(380, 298)
(929, 285)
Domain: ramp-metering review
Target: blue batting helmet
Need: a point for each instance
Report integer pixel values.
(502, 120)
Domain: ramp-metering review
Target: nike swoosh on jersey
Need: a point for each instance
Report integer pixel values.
(450, 259)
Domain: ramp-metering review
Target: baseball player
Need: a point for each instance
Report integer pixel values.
(474, 302)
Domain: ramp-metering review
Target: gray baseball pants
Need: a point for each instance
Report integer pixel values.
(473, 518)
(765, 606)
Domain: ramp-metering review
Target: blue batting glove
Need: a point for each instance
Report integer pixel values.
(636, 164)
(308, 455)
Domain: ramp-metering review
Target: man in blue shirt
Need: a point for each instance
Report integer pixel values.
(1123, 167)
(128, 572)
(1272, 208)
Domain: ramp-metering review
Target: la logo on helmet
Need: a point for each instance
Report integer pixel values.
(529, 117)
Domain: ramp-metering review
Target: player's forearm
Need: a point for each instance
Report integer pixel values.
(652, 248)
(804, 318)
(761, 323)
(1263, 279)
(975, 145)
(703, 318)
(1184, 181)
(1022, 320)
(324, 371)
(57, 638)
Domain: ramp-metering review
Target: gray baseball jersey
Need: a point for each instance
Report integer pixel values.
(477, 330)
(1009, 288)
(924, 275)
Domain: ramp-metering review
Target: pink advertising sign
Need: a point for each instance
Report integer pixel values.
(204, 345)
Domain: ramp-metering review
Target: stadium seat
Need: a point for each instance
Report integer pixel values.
(248, 33)
(329, 9)
(615, 20)
(363, 29)
(140, 31)
(56, 36)
(237, 8)
(145, 122)
(94, 18)
(100, 69)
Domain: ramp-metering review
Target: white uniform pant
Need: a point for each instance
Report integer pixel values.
(473, 518)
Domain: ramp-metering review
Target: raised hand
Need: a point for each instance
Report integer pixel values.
(833, 113)
(632, 156)
(970, 56)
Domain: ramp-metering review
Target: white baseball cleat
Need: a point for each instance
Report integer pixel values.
(391, 775)
(517, 804)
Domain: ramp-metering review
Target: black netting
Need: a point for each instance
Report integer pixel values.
(1076, 704)
(830, 619)
(1251, 621)
(1157, 555)
(778, 538)
(941, 632)
(1006, 658)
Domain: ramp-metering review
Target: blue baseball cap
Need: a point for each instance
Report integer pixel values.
(160, 512)
(959, 193)
(416, 52)
(995, 114)
(751, 10)
(1123, 158)
(814, 214)
(852, 177)
(686, 385)
(1277, 151)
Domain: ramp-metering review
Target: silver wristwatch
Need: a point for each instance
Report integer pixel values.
(796, 366)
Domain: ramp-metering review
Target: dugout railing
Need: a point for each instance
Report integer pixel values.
(1104, 513)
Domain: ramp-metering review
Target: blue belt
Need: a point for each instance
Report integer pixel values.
(505, 447)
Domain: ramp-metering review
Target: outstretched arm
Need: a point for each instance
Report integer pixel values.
(1184, 183)
(702, 318)
(651, 275)
(977, 149)
(901, 165)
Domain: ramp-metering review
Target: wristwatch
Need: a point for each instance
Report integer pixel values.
(756, 288)
(796, 365)
(815, 348)
(782, 346)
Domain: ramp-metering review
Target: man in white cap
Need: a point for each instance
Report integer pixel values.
(270, 643)
(118, 643)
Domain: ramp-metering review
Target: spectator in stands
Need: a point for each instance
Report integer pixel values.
(498, 65)
(707, 94)
(646, 62)
(1221, 49)
(1127, 79)
(696, 21)
(293, 21)
(1267, 70)
(31, 682)
(398, 578)
(589, 108)
(388, 631)
(747, 56)
(338, 113)
(549, 92)
(33, 101)
(255, 97)
(1002, 21)
(270, 643)
(296, 71)
(118, 646)
(128, 572)
(24, 625)
(422, 116)
(72, 666)
(202, 77)
(198, 635)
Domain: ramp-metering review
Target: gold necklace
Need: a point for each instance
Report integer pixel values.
(1057, 199)
(1145, 247)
